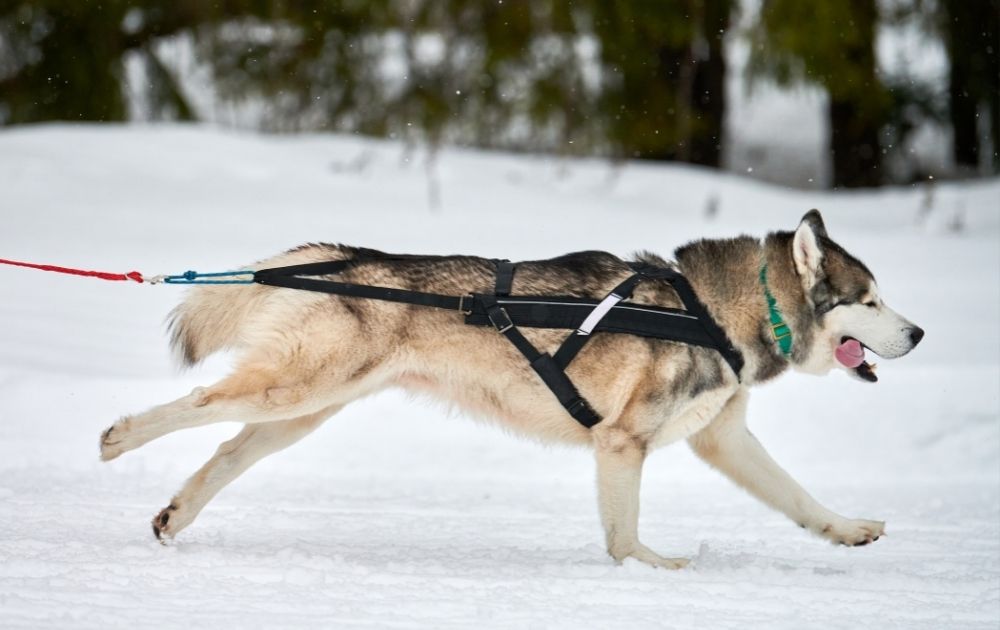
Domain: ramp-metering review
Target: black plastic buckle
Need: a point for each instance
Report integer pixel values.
(582, 412)
(575, 406)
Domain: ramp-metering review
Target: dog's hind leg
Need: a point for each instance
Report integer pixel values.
(619, 470)
(250, 395)
(232, 459)
(727, 445)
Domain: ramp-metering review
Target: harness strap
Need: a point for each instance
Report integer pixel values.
(579, 338)
(719, 338)
(505, 277)
(694, 306)
(289, 277)
(542, 363)
(569, 313)
(694, 326)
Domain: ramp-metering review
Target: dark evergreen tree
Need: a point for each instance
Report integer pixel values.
(971, 30)
(831, 43)
(664, 68)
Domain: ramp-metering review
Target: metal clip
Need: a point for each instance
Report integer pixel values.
(505, 323)
(461, 304)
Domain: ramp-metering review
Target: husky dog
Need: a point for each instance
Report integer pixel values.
(303, 355)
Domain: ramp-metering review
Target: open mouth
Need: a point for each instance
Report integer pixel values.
(851, 354)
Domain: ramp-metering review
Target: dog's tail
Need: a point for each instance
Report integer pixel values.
(226, 317)
(210, 319)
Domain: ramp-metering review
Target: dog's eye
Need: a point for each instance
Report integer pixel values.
(823, 309)
(870, 304)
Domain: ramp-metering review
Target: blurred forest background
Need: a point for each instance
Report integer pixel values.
(626, 79)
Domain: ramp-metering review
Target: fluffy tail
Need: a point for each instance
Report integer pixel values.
(210, 319)
(222, 317)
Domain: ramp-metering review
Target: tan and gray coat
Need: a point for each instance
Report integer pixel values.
(302, 356)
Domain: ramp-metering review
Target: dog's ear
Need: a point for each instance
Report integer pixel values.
(806, 250)
(814, 219)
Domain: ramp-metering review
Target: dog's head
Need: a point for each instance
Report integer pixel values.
(848, 314)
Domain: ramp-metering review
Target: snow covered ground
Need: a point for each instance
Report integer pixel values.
(400, 514)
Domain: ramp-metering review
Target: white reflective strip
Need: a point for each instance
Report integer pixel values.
(627, 307)
(623, 306)
(598, 314)
(646, 310)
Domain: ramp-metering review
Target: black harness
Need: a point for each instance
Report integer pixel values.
(506, 313)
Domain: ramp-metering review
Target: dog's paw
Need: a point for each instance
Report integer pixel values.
(168, 523)
(113, 440)
(642, 553)
(853, 533)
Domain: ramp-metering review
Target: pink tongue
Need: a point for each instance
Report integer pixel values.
(850, 353)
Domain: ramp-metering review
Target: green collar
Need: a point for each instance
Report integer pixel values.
(779, 329)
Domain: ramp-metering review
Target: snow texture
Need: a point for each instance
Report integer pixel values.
(401, 514)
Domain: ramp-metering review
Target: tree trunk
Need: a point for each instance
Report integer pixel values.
(854, 146)
(708, 103)
(857, 105)
(964, 121)
(963, 97)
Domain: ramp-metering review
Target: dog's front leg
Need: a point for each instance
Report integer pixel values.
(727, 445)
(619, 470)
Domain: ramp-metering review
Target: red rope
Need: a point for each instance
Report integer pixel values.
(135, 276)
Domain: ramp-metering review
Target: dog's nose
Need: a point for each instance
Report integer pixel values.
(916, 334)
